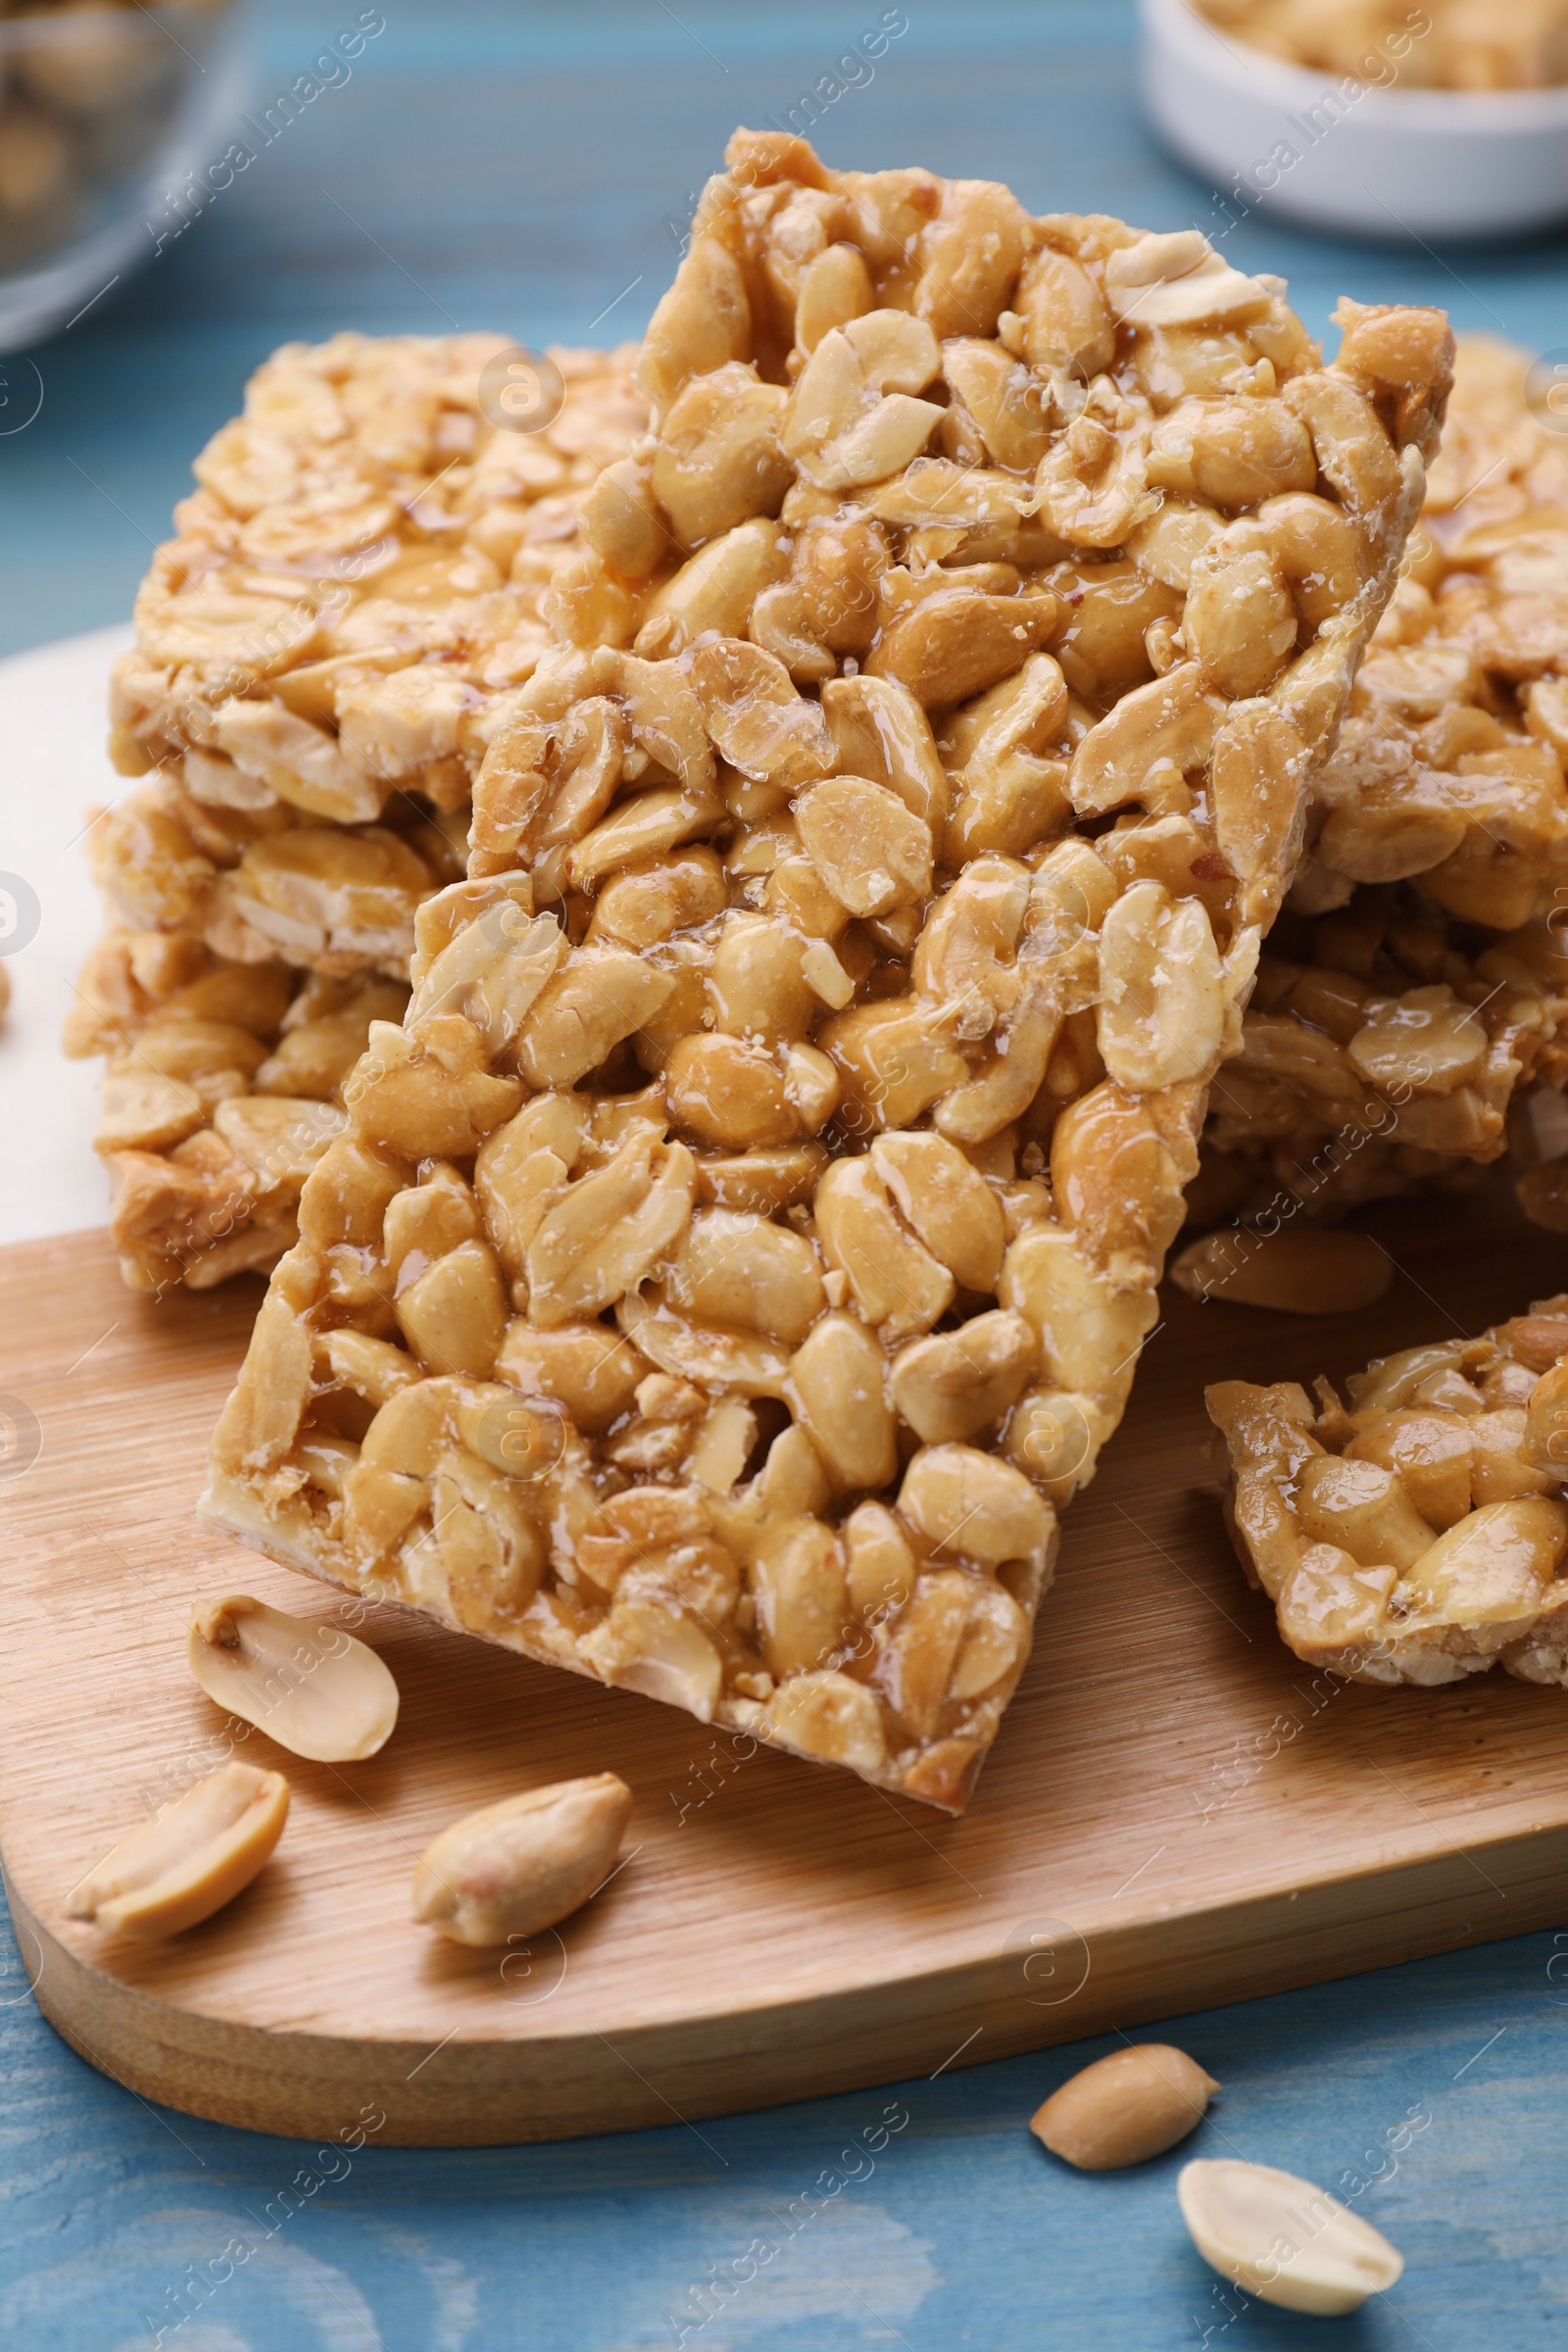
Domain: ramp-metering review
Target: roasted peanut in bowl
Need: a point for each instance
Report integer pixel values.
(1381, 122)
(119, 125)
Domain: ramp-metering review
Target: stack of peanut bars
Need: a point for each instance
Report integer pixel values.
(739, 1251)
(955, 757)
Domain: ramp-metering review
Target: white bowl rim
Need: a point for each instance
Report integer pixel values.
(1271, 78)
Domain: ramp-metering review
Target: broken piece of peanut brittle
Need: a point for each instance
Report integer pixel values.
(1419, 1533)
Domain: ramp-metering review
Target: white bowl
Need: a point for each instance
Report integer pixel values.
(142, 196)
(1367, 159)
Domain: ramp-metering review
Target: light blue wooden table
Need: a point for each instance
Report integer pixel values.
(517, 166)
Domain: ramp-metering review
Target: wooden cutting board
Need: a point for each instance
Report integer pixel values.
(1177, 1812)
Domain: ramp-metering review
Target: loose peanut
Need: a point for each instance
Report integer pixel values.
(1240, 2216)
(1124, 2109)
(312, 1688)
(513, 1868)
(192, 1858)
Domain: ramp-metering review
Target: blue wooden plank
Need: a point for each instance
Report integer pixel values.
(518, 166)
(922, 2215)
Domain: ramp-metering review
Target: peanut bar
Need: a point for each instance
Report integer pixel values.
(1444, 811)
(1416, 1534)
(1449, 765)
(747, 1240)
(356, 584)
(1391, 1018)
(363, 575)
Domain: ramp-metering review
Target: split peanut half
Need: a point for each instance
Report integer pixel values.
(518, 1866)
(1283, 2240)
(1125, 2108)
(312, 1688)
(189, 1859)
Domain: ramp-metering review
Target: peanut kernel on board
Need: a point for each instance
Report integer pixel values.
(1129, 2106)
(192, 1858)
(518, 1866)
(957, 898)
(312, 1688)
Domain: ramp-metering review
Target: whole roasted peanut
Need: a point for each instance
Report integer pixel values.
(312, 1688)
(192, 1858)
(518, 1866)
(1239, 619)
(956, 642)
(1241, 2215)
(834, 288)
(1125, 2108)
(1304, 1272)
(1065, 320)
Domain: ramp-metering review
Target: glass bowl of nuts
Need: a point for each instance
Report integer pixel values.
(1369, 118)
(112, 122)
